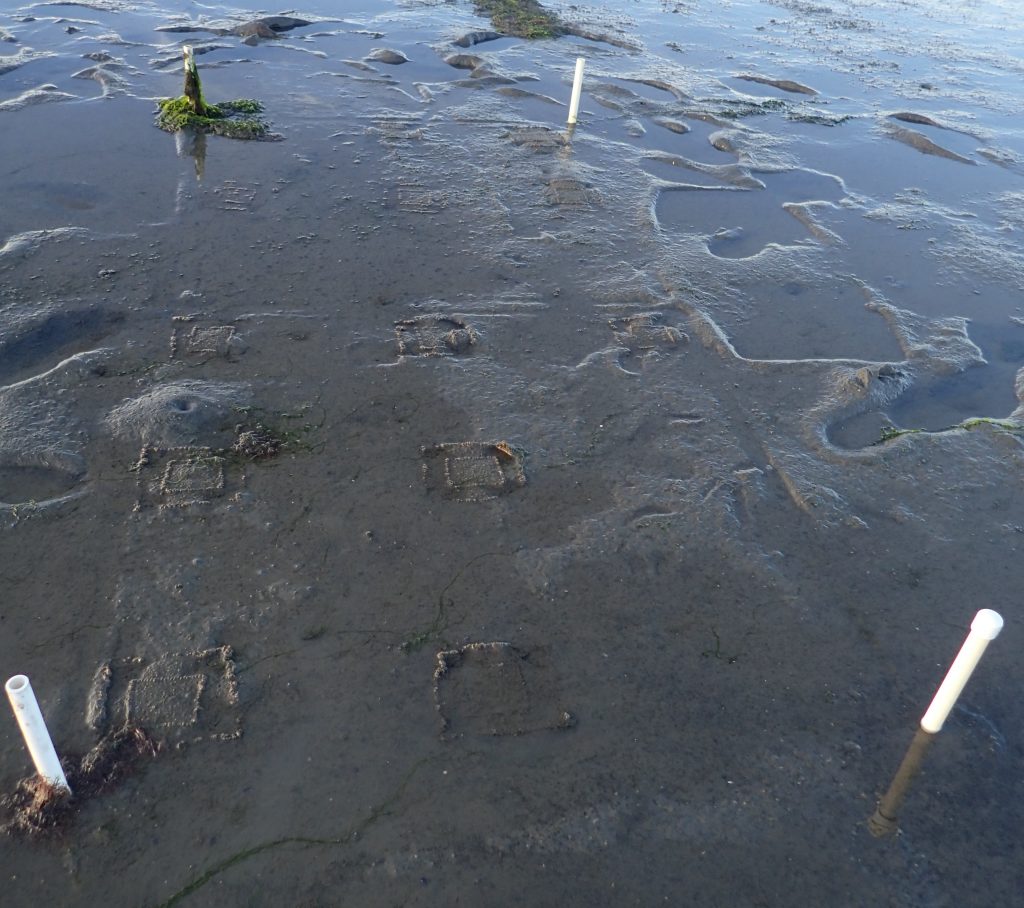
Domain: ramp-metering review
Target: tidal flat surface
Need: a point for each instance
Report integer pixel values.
(473, 510)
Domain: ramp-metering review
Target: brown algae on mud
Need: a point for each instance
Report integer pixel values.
(36, 807)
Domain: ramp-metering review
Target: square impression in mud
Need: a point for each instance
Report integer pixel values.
(646, 332)
(198, 343)
(183, 477)
(417, 198)
(434, 335)
(495, 689)
(569, 192)
(179, 697)
(473, 471)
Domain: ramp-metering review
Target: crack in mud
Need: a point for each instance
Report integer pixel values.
(382, 810)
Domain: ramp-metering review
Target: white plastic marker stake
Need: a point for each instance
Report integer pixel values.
(37, 738)
(577, 90)
(984, 629)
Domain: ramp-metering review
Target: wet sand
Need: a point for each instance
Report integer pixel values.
(476, 511)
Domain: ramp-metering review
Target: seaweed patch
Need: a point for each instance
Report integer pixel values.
(521, 18)
(240, 119)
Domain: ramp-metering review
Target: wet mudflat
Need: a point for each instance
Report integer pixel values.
(473, 510)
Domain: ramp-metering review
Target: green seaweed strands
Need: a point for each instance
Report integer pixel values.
(521, 18)
(976, 422)
(890, 432)
(1005, 424)
(240, 119)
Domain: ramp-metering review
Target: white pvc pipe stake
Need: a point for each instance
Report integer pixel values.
(577, 90)
(37, 738)
(984, 629)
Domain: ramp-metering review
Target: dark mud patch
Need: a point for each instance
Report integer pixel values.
(464, 61)
(919, 119)
(920, 142)
(671, 124)
(386, 55)
(37, 808)
(471, 39)
(495, 689)
(473, 471)
(782, 84)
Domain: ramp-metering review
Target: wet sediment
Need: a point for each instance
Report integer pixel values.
(537, 492)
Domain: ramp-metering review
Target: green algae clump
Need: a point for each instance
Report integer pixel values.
(240, 119)
(521, 18)
(234, 119)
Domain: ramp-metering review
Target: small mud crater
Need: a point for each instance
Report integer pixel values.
(179, 413)
(473, 471)
(781, 84)
(923, 144)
